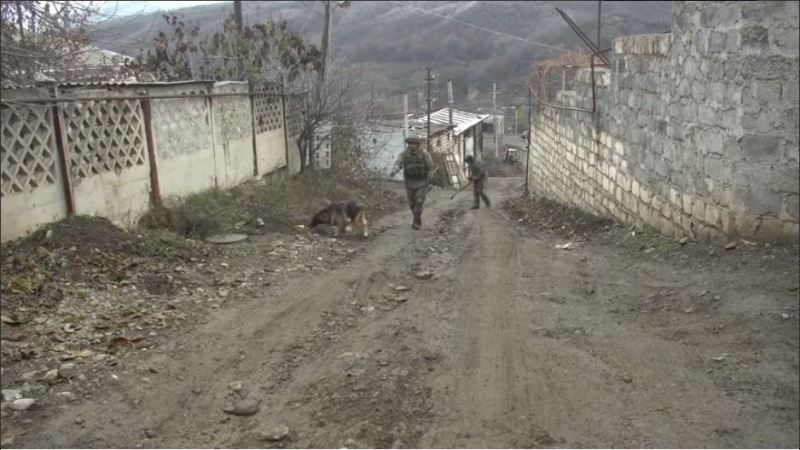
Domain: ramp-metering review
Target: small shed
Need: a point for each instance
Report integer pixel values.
(467, 129)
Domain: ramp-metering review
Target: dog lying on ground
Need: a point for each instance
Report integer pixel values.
(343, 215)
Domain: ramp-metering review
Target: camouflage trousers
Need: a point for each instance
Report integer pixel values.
(477, 191)
(416, 196)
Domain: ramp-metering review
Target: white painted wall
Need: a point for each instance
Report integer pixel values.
(384, 145)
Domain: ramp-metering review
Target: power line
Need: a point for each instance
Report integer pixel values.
(499, 33)
(310, 8)
(303, 28)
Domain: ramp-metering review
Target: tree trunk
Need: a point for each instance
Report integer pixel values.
(33, 25)
(20, 21)
(237, 9)
(302, 148)
(237, 12)
(324, 47)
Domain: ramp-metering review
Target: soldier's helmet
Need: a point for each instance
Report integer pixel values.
(469, 159)
(413, 139)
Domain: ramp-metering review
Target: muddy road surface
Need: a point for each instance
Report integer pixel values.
(476, 331)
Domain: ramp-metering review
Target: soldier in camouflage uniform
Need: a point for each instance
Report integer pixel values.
(417, 166)
(478, 176)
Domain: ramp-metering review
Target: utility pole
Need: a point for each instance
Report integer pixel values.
(428, 80)
(528, 153)
(237, 14)
(598, 23)
(405, 116)
(325, 39)
(516, 115)
(237, 11)
(494, 107)
(450, 101)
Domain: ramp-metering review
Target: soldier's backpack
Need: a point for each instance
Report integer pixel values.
(414, 167)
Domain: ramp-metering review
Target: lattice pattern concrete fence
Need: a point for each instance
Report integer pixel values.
(114, 150)
(28, 150)
(267, 108)
(103, 136)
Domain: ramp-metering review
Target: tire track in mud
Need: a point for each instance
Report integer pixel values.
(267, 343)
(368, 387)
(511, 343)
(486, 389)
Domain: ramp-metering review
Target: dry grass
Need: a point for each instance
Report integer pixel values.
(280, 202)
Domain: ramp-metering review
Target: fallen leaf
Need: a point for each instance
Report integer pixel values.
(11, 320)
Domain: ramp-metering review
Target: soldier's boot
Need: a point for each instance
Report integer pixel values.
(477, 203)
(417, 219)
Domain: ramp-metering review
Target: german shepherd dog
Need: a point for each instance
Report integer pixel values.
(343, 215)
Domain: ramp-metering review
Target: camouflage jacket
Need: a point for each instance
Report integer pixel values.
(406, 157)
(477, 171)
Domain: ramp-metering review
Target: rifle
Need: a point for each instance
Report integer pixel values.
(459, 191)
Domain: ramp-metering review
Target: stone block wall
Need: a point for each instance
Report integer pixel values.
(695, 132)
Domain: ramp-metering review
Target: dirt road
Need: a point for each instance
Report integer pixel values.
(474, 332)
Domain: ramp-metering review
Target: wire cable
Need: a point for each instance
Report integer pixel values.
(310, 8)
(488, 30)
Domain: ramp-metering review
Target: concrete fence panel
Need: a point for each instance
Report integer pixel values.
(107, 152)
(184, 145)
(233, 135)
(114, 150)
(32, 189)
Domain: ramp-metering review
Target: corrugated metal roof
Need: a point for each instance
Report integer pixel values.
(133, 83)
(228, 83)
(421, 129)
(94, 56)
(463, 120)
(99, 84)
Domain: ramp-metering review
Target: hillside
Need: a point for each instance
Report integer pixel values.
(394, 40)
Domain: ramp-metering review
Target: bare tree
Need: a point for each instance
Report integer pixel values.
(42, 37)
(335, 102)
(263, 52)
(266, 51)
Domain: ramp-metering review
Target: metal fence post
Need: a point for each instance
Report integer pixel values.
(61, 145)
(253, 127)
(284, 106)
(530, 137)
(155, 190)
